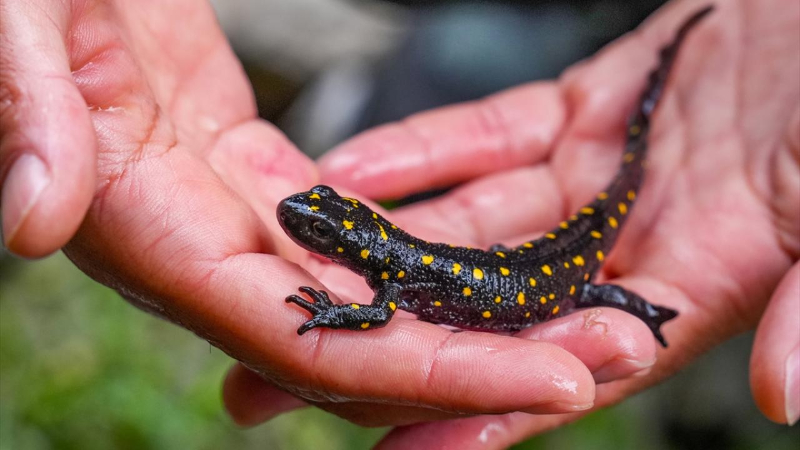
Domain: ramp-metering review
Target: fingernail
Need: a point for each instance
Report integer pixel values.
(558, 408)
(26, 180)
(792, 387)
(617, 368)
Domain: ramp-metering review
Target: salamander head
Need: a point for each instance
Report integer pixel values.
(323, 222)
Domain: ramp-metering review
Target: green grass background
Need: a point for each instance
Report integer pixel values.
(82, 369)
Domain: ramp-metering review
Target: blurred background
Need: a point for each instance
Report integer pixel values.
(81, 369)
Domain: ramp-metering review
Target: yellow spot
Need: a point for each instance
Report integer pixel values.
(600, 255)
(477, 273)
(628, 157)
(521, 298)
(383, 232)
(411, 246)
(551, 296)
(387, 260)
(500, 254)
(573, 217)
(355, 306)
(602, 196)
(596, 234)
(550, 236)
(351, 200)
(339, 249)
(385, 276)
(392, 306)
(543, 299)
(364, 253)
(634, 130)
(527, 245)
(532, 281)
(401, 274)
(504, 271)
(365, 325)
(314, 196)
(487, 314)
(631, 195)
(587, 210)
(564, 225)
(467, 291)
(427, 259)
(498, 299)
(613, 222)
(394, 227)
(586, 276)
(528, 314)
(547, 270)
(374, 216)
(572, 290)
(555, 310)
(314, 208)
(347, 224)
(623, 208)
(437, 303)
(578, 260)
(456, 268)
(566, 265)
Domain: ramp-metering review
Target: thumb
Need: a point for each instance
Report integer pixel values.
(47, 141)
(775, 362)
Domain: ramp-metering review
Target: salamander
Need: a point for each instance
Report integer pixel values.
(499, 289)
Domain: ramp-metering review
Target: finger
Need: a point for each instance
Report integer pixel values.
(612, 344)
(407, 361)
(47, 142)
(775, 361)
(451, 144)
(490, 209)
(250, 400)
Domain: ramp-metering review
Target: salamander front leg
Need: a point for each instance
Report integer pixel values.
(350, 316)
(616, 297)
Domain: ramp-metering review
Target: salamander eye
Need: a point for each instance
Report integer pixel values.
(322, 229)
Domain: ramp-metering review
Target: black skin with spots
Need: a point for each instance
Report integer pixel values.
(502, 289)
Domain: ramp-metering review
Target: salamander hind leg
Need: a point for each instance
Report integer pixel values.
(349, 316)
(616, 297)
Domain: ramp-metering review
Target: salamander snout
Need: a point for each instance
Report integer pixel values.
(313, 220)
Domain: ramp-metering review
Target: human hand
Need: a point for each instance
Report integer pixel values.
(130, 134)
(714, 231)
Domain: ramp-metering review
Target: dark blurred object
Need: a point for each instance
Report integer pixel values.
(454, 52)
(460, 51)
(274, 92)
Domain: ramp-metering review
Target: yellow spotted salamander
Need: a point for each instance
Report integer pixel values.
(502, 289)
